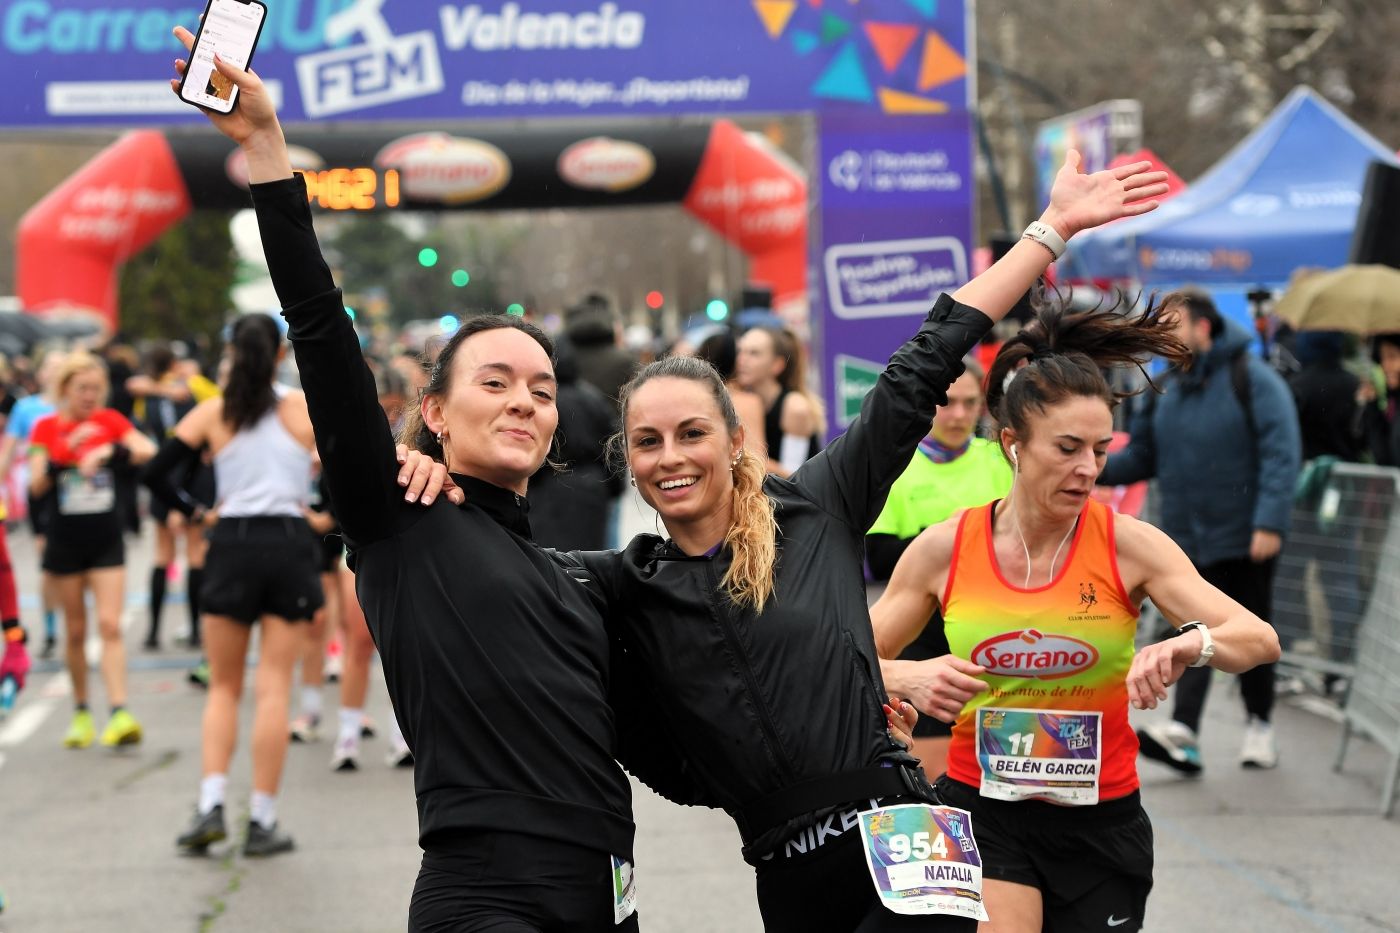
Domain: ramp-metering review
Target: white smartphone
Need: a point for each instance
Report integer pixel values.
(230, 28)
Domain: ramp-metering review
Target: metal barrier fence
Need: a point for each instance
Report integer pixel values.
(1330, 566)
(1355, 513)
(1336, 601)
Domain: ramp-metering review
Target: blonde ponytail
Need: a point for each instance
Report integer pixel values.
(752, 537)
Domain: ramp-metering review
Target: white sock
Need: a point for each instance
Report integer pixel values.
(350, 721)
(311, 701)
(263, 809)
(211, 792)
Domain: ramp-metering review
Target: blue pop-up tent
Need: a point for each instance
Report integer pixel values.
(1286, 196)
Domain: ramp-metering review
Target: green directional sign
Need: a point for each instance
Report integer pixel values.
(854, 378)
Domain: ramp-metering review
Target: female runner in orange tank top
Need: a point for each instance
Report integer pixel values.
(1040, 594)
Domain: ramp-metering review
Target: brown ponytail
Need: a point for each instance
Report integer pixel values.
(753, 529)
(1065, 353)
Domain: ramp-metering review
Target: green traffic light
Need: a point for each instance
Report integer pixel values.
(427, 257)
(717, 310)
(460, 278)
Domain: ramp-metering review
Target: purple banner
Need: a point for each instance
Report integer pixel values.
(896, 230)
(83, 62)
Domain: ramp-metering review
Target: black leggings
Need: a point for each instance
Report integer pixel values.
(1251, 585)
(831, 890)
(511, 883)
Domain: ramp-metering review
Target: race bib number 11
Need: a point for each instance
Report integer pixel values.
(1030, 754)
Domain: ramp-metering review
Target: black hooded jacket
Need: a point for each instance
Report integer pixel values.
(762, 706)
(495, 650)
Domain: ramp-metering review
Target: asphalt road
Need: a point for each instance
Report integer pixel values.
(87, 837)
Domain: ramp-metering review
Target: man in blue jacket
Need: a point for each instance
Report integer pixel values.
(1224, 445)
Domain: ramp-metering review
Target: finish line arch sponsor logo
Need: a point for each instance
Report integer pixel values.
(1033, 654)
(446, 169)
(894, 277)
(605, 164)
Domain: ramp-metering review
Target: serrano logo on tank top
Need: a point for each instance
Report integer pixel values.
(1029, 653)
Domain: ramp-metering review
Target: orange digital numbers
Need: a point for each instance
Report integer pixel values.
(350, 189)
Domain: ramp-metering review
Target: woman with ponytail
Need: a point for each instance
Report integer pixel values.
(262, 567)
(495, 650)
(1039, 594)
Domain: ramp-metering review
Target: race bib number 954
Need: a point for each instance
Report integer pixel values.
(924, 860)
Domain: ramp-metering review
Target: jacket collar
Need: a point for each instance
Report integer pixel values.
(509, 509)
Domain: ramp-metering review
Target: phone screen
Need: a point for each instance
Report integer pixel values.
(231, 29)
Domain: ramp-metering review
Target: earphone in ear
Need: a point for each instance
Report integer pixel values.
(1013, 453)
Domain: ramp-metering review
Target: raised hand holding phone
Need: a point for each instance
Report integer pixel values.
(253, 126)
(229, 29)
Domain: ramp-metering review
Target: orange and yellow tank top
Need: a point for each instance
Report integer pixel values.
(1053, 724)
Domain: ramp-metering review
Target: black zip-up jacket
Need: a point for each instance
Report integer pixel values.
(761, 704)
(495, 653)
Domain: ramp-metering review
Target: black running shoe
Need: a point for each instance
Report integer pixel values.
(261, 842)
(204, 831)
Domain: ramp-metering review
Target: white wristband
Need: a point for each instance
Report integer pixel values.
(1207, 644)
(1045, 235)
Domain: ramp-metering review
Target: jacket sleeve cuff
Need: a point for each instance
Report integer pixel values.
(962, 326)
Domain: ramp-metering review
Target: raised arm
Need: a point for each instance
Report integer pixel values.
(1152, 565)
(852, 477)
(352, 434)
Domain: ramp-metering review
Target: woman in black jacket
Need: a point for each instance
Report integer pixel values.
(751, 617)
(496, 658)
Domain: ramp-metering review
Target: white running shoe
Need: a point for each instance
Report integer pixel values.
(399, 756)
(1259, 750)
(346, 756)
(1173, 744)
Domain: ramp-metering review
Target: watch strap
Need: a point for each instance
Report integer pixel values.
(1207, 643)
(1045, 235)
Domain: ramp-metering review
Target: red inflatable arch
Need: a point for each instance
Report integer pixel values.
(72, 244)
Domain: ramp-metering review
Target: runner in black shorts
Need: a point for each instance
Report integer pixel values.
(263, 567)
(76, 453)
